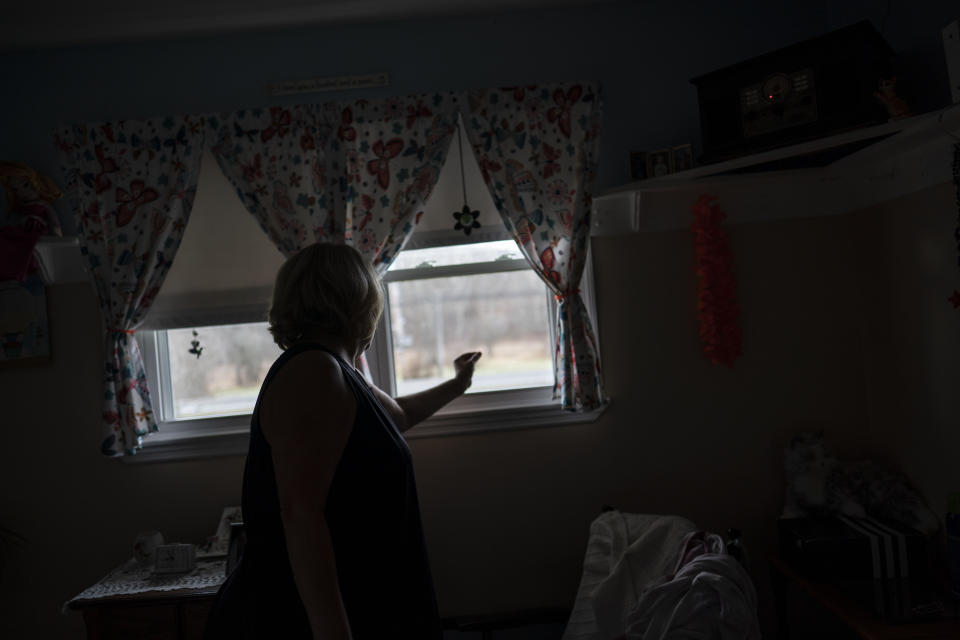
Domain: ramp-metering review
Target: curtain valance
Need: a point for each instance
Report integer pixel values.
(356, 172)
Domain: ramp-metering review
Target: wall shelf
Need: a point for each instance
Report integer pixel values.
(829, 176)
(60, 260)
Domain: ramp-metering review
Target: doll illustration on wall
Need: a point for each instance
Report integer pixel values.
(23, 322)
(29, 194)
(29, 215)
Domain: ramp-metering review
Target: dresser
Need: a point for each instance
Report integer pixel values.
(132, 602)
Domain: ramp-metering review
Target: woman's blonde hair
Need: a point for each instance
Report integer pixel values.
(328, 290)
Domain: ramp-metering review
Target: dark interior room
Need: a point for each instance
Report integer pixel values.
(762, 353)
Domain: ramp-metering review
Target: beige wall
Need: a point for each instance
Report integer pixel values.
(824, 300)
(912, 354)
(79, 510)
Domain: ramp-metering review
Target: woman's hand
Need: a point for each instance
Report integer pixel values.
(409, 410)
(463, 366)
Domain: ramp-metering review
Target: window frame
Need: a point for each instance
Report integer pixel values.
(382, 349)
(481, 412)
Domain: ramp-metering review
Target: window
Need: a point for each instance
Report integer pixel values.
(203, 404)
(444, 301)
(216, 371)
(446, 294)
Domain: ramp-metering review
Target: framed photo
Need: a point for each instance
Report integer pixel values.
(24, 331)
(659, 163)
(682, 157)
(219, 543)
(637, 167)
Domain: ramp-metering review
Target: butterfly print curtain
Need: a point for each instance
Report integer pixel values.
(345, 171)
(394, 150)
(537, 148)
(286, 166)
(351, 171)
(132, 185)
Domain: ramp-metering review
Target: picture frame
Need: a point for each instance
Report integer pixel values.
(682, 157)
(24, 326)
(659, 163)
(219, 543)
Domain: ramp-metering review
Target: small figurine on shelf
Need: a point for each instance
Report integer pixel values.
(895, 105)
(29, 215)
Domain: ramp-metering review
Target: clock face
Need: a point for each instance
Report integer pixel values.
(778, 101)
(776, 87)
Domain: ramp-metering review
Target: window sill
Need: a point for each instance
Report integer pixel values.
(229, 436)
(454, 423)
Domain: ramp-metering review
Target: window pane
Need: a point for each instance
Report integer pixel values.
(457, 254)
(504, 315)
(226, 378)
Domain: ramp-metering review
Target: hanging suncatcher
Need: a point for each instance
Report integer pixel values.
(467, 220)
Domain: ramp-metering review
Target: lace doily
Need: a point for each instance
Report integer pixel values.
(131, 578)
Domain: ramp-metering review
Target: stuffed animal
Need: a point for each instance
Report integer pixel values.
(819, 484)
(29, 216)
(896, 107)
(29, 194)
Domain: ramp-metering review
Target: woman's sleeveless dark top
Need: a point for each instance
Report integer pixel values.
(373, 515)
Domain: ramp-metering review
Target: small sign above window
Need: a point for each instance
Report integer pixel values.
(330, 83)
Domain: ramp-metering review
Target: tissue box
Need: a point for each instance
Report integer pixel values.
(174, 558)
(884, 566)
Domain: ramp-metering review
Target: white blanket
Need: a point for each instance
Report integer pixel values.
(628, 587)
(625, 553)
(711, 597)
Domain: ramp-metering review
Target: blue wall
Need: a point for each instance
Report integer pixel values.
(643, 53)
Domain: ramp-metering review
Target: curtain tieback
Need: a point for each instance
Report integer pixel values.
(560, 297)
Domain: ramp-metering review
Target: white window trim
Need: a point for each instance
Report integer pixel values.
(229, 435)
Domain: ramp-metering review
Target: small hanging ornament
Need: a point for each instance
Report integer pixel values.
(717, 306)
(195, 347)
(467, 220)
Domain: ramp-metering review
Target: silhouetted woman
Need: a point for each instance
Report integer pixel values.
(335, 546)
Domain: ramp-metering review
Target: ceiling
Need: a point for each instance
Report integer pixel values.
(56, 23)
